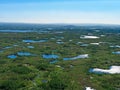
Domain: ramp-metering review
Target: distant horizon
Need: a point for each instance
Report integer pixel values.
(59, 23)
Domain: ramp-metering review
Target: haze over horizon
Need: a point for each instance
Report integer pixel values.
(60, 11)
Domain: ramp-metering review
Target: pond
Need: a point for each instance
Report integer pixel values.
(111, 70)
(7, 47)
(59, 42)
(24, 54)
(34, 41)
(54, 61)
(12, 56)
(15, 45)
(91, 70)
(84, 45)
(50, 56)
(77, 57)
(116, 46)
(89, 37)
(30, 47)
(1, 51)
(118, 52)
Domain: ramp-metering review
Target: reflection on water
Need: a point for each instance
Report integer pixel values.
(12, 56)
(24, 54)
(34, 41)
(77, 57)
(49, 56)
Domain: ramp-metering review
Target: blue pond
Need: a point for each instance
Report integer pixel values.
(77, 57)
(118, 52)
(49, 56)
(84, 45)
(12, 56)
(96, 72)
(66, 59)
(15, 45)
(60, 42)
(7, 47)
(34, 41)
(54, 61)
(24, 54)
(1, 51)
(116, 46)
(30, 47)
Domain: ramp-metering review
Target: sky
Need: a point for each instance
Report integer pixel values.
(60, 11)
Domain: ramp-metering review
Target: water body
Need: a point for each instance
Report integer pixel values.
(12, 56)
(77, 57)
(116, 46)
(1, 51)
(16, 31)
(15, 45)
(54, 61)
(30, 47)
(91, 70)
(34, 41)
(89, 37)
(84, 45)
(50, 56)
(111, 70)
(24, 54)
(118, 52)
(7, 47)
(60, 42)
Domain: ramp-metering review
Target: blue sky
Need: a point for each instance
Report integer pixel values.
(60, 11)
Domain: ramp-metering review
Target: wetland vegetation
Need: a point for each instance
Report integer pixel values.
(55, 57)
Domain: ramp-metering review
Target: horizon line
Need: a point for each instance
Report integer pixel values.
(61, 23)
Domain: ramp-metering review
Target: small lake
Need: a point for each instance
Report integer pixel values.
(116, 46)
(34, 41)
(50, 56)
(30, 47)
(59, 42)
(77, 57)
(54, 61)
(7, 47)
(111, 70)
(24, 54)
(84, 45)
(15, 45)
(89, 37)
(118, 52)
(12, 56)
(96, 72)
(1, 51)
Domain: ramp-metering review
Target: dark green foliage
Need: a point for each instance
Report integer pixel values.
(58, 81)
(11, 85)
(43, 65)
(20, 69)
